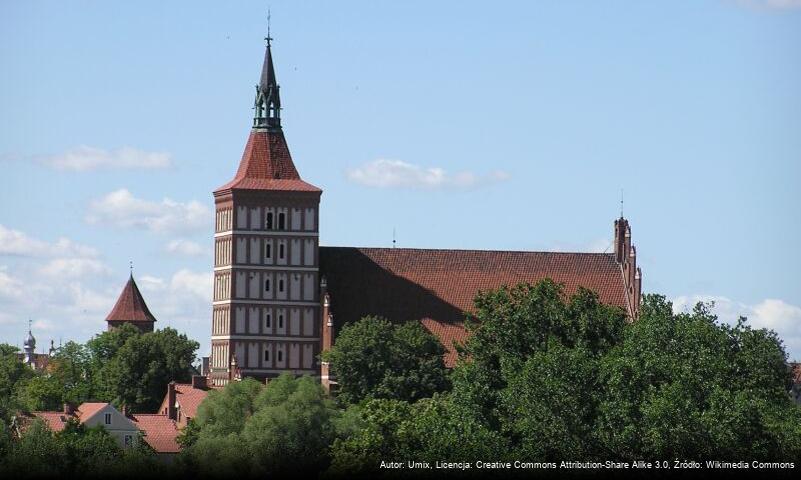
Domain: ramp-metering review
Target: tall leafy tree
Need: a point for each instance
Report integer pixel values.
(138, 373)
(374, 358)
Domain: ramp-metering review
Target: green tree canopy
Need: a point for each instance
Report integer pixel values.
(139, 371)
(374, 358)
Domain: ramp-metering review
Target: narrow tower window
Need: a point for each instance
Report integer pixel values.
(266, 355)
(269, 221)
(280, 321)
(268, 320)
(281, 221)
(280, 356)
(268, 251)
(281, 251)
(267, 285)
(281, 285)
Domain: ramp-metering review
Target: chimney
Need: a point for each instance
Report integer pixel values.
(199, 381)
(69, 408)
(204, 367)
(171, 413)
(124, 410)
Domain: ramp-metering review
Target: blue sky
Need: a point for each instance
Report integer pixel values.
(458, 124)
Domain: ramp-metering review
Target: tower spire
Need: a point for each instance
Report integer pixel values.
(268, 102)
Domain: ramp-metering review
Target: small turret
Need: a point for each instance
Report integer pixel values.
(29, 346)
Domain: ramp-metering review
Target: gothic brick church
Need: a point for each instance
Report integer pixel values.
(279, 297)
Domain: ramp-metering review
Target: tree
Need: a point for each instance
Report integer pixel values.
(292, 420)
(12, 371)
(686, 386)
(374, 358)
(138, 373)
(225, 411)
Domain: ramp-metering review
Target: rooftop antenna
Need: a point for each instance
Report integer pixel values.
(393, 237)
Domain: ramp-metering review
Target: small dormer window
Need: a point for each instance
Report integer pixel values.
(107, 419)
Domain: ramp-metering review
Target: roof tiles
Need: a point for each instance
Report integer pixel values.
(131, 306)
(267, 165)
(438, 286)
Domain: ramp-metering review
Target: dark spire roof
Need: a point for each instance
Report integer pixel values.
(268, 101)
(130, 307)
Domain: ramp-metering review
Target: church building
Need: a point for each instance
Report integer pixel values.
(279, 298)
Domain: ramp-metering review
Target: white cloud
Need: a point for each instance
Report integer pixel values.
(15, 242)
(10, 287)
(73, 268)
(121, 209)
(186, 247)
(193, 283)
(773, 314)
(85, 158)
(384, 173)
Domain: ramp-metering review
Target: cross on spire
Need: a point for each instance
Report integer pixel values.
(268, 38)
(267, 103)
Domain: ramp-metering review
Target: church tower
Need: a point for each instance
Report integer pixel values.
(266, 299)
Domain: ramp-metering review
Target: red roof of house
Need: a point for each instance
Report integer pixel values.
(267, 165)
(189, 398)
(54, 420)
(438, 286)
(160, 432)
(57, 420)
(130, 307)
(87, 409)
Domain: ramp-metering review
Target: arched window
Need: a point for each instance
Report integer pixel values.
(281, 247)
(280, 356)
(280, 321)
(268, 319)
(281, 285)
(269, 220)
(267, 285)
(268, 250)
(266, 355)
(281, 221)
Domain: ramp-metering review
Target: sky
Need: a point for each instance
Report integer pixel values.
(501, 126)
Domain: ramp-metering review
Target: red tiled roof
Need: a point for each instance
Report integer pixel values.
(87, 409)
(267, 165)
(160, 432)
(130, 307)
(54, 420)
(438, 286)
(189, 398)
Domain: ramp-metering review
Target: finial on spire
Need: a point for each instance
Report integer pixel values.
(130, 267)
(268, 38)
(30, 322)
(393, 237)
(621, 203)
